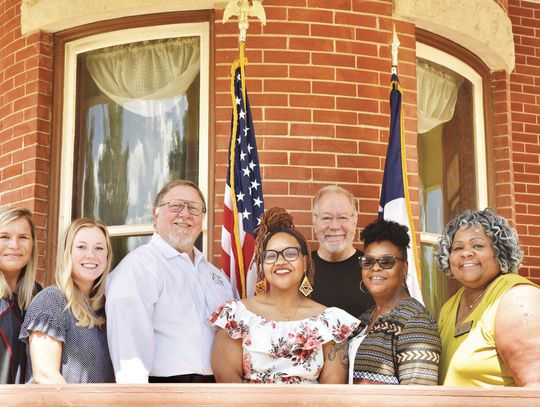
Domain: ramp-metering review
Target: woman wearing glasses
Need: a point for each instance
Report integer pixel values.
(280, 335)
(398, 341)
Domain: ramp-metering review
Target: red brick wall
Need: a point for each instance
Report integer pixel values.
(525, 107)
(25, 118)
(318, 81)
(502, 145)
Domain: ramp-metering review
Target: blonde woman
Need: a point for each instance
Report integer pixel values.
(65, 325)
(18, 260)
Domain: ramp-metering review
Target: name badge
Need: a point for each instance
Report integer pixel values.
(463, 329)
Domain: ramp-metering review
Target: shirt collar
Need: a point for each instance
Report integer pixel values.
(170, 252)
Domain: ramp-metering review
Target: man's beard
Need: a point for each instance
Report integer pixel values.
(181, 242)
(336, 247)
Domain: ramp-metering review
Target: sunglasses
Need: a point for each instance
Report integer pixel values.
(384, 262)
(178, 205)
(289, 254)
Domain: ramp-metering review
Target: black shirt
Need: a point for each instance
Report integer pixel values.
(337, 284)
(12, 351)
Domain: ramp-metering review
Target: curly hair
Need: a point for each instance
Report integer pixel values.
(276, 220)
(505, 240)
(387, 230)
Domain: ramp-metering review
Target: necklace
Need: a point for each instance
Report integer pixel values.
(476, 300)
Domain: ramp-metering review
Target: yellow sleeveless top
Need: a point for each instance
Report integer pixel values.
(471, 359)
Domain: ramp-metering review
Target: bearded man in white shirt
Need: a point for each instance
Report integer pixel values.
(160, 297)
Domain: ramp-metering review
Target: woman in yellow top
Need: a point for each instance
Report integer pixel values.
(490, 329)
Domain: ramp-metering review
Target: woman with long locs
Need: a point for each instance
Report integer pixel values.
(281, 335)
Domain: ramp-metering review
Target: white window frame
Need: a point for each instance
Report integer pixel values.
(439, 57)
(90, 43)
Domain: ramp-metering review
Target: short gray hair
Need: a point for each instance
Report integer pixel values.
(505, 240)
(336, 190)
(175, 183)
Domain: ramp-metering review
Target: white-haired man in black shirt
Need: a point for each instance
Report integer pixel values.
(337, 270)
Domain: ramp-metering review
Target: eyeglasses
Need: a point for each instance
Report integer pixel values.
(341, 219)
(178, 205)
(289, 254)
(384, 262)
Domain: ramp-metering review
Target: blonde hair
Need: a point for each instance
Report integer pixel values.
(86, 310)
(26, 283)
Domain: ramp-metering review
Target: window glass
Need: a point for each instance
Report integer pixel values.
(433, 281)
(447, 164)
(138, 123)
(445, 145)
(121, 244)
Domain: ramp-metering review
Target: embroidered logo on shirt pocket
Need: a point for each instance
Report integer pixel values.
(217, 279)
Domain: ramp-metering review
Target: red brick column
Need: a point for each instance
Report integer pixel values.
(525, 105)
(502, 145)
(25, 118)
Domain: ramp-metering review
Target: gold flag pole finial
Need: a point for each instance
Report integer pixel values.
(243, 10)
(395, 46)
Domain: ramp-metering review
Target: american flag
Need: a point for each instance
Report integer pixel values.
(242, 210)
(395, 204)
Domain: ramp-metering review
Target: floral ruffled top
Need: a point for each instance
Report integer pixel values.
(283, 351)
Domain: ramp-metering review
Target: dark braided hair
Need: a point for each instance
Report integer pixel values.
(276, 220)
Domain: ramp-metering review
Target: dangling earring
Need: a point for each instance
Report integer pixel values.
(361, 289)
(261, 287)
(305, 287)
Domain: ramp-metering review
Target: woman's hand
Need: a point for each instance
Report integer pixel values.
(46, 355)
(227, 358)
(336, 363)
(517, 333)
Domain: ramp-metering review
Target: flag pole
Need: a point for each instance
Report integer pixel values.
(395, 83)
(395, 49)
(243, 10)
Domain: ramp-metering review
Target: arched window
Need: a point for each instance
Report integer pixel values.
(134, 115)
(451, 152)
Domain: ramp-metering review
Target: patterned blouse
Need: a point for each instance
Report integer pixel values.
(85, 354)
(403, 347)
(283, 351)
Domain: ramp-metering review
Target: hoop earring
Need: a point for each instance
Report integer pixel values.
(405, 282)
(261, 287)
(361, 289)
(306, 288)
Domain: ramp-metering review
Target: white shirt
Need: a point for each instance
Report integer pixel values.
(157, 306)
(354, 344)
